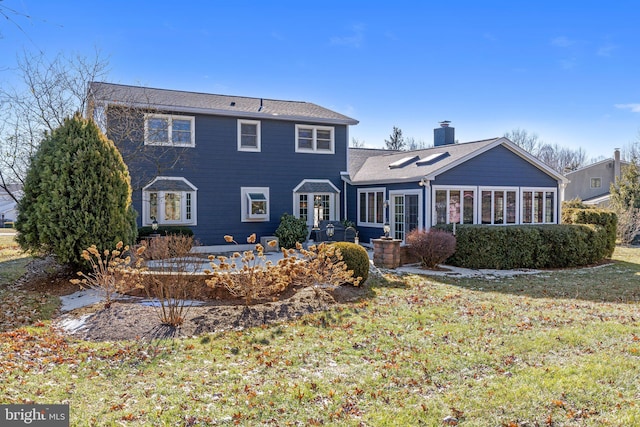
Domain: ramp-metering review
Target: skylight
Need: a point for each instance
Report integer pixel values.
(403, 162)
(432, 158)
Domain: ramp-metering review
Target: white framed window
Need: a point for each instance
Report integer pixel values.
(254, 204)
(249, 135)
(164, 129)
(596, 182)
(169, 201)
(371, 206)
(539, 205)
(454, 204)
(499, 205)
(315, 139)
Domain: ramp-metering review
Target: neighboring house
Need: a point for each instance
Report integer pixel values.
(8, 206)
(225, 165)
(491, 181)
(591, 183)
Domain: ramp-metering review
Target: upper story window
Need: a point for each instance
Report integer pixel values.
(315, 139)
(163, 129)
(596, 182)
(248, 135)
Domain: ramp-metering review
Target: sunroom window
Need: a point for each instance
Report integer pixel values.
(539, 206)
(454, 205)
(163, 129)
(498, 206)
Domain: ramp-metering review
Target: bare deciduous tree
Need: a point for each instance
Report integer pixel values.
(559, 158)
(50, 91)
(357, 143)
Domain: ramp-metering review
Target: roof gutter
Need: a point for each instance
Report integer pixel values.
(248, 114)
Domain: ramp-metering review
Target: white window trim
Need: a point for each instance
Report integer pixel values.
(146, 218)
(258, 146)
(494, 189)
(170, 119)
(447, 188)
(245, 215)
(544, 190)
(383, 190)
(334, 201)
(314, 143)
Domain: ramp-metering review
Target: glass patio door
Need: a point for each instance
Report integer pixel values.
(405, 214)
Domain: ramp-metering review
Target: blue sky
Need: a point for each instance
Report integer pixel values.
(566, 70)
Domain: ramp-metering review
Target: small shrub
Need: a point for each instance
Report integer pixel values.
(291, 230)
(107, 275)
(356, 258)
(431, 247)
(171, 285)
(250, 276)
(164, 230)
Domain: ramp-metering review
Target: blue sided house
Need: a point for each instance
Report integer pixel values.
(492, 181)
(225, 165)
(232, 165)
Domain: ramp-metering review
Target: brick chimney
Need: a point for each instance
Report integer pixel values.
(444, 135)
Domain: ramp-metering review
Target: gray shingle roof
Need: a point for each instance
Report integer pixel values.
(194, 102)
(371, 166)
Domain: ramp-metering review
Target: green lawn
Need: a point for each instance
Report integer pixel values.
(561, 348)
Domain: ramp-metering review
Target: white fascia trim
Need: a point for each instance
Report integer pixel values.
(171, 178)
(324, 181)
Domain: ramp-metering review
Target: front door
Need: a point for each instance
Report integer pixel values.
(405, 214)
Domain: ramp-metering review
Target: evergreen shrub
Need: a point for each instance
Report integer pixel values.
(356, 259)
(77, 193)
(291, 230)
(602, 217)
(529, 246)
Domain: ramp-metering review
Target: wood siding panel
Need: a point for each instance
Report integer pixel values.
(496, 167)
(219, 170)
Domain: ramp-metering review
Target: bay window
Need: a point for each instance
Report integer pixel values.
(169, 201)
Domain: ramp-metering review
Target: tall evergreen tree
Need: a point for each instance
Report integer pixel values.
(77, 193)
(395, 141)
(625, 191)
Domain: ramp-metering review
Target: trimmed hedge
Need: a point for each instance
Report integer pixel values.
(604, 218)
(164, 230)
(529, 246)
